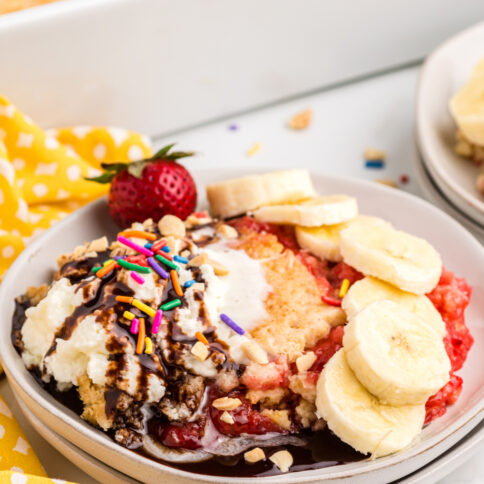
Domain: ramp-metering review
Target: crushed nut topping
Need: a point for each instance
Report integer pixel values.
(283, 459)
(172, 225)
(304, 362)
(227, 231)
(255, 352)
(226, 403)
(301, 120)
(200, 351)
(227, 418)
(254, 455)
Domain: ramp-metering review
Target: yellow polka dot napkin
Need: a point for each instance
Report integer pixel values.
(41, 173)
(41, 181)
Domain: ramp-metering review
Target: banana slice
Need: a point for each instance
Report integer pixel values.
(358, 418)
(369, 289)
(395, 355)
(237, 196)
(324, 242)
(467, 107)
(406, 261)
(327, 210)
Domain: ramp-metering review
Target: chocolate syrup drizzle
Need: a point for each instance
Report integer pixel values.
(322, 448)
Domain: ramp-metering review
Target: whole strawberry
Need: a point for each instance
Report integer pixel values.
(149, 188)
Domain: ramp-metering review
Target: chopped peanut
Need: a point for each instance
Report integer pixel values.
(98, 245)
(283, 459)
(198, 260)
(200, 351)
(279, 417)
(387, 182)
(254, 455)
(171, 243)
(374, 154)
(255, 352)
(218, 268)
(198, 286)
(171, 225)
(301, 120)
(227, 418)
(227, 231)
(226, 403)
(304, 362)
(192, 220)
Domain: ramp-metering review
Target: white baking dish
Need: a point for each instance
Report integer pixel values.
(159, 65)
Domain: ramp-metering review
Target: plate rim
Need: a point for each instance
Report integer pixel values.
(422, 126)
(461, 423)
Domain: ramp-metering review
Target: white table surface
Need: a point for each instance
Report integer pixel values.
(378, 112)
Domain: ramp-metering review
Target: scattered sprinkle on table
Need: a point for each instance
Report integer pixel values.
(157, 268)
(137, 277)
(231, 324)
(301, 120)
(374, 164)
(254, 148)
(170, 305)
(404, 179)
(233, 127)
(133, 267)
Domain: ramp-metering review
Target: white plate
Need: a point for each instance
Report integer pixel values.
(460, 251)
(450, 460)
(90, 465)
(431, 473)
(433, 193)
(443, 73)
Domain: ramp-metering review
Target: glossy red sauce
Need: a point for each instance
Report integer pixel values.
(450, 297)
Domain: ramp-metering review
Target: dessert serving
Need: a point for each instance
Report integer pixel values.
(281, 330)
(467, 109)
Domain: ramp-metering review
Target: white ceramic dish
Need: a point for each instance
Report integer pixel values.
(442, 74)
(90, 465)
(430, 474)
(450, 460)
(405, 211)
(433, 193)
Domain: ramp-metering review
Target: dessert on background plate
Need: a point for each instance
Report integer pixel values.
(280, 331)
(467, 109)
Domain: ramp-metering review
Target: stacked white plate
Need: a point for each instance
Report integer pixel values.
(443, 74)
(97, 454)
